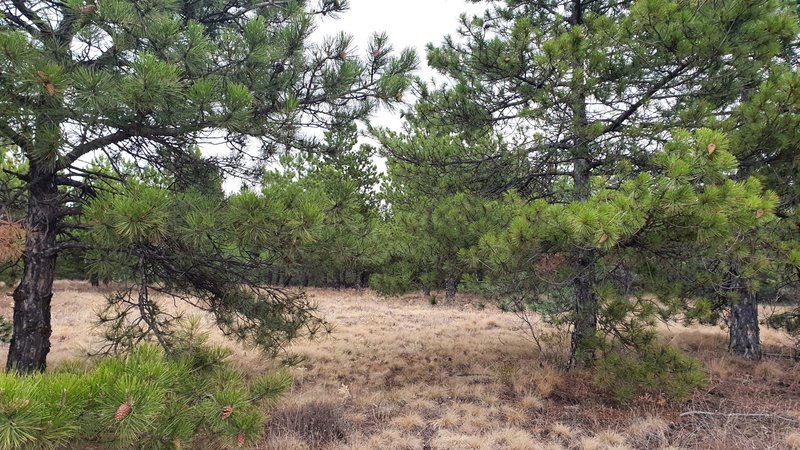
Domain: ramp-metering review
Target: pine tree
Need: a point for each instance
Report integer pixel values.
(582, 90)
(648, 233)
(145, 81)
(435, 210)
(764, 132)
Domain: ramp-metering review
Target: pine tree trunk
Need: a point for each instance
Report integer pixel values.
(30, 342)
(745, 339)
(584, 332)
(450, 285)
(586, 308)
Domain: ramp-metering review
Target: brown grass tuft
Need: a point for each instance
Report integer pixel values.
(408, 422)
(648, 432)
(561, 430)
(792, 441)
(317, 422)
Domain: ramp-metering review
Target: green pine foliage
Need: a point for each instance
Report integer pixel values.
(568, 109)
(146, 399)
(426, 237)
(144, 83)
(212, 253)
(654, 369)
(341, 248)
(646, 233)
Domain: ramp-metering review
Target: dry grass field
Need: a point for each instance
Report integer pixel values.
(403, 374)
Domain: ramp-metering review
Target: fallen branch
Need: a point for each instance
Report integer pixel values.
(762, 415)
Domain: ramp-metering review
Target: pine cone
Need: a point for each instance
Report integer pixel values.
(123, 411)
(240, 439)
(226, 412)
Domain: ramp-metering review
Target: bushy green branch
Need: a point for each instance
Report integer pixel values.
(146, 399)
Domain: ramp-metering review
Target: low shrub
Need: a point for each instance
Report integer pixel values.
(650, 369)
(145, 399)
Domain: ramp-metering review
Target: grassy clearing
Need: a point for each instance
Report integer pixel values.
(403, 374)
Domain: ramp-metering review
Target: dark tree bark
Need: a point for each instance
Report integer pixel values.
(584, 333)
(359, 280)
(745, 339)
(450, 286)
(30, 342)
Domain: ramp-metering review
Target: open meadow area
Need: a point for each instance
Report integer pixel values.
(400, 373)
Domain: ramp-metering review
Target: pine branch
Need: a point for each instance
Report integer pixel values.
(123, 134)
(40, 25)
(616, 123)
(18, 139)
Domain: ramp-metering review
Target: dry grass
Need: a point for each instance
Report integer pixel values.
(403, 374)
(792, 441)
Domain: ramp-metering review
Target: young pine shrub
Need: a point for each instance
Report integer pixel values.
(649, 369)
(632, 361)
(145, 399)
(41, 410)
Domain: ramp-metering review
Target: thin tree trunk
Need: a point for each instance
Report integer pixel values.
(745, 339)
(426, 291)
(30, 342)
(584, 333)
(359, 280)
(450, 284)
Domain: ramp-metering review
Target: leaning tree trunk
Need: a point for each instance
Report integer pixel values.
(30, 341)
(745, 339)
(450, 284)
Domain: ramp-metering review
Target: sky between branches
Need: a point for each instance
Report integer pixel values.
(408, 23)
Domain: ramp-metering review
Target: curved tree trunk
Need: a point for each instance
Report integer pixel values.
(745, 339)
(30, 342)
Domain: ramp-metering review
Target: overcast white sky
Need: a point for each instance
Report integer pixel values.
(409, 23)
